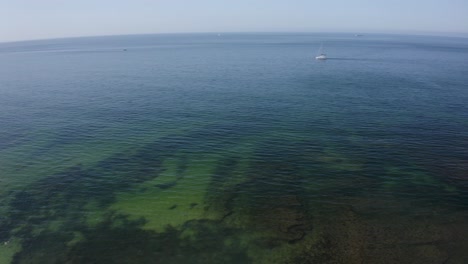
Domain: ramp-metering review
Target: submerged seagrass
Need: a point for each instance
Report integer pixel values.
(238, 148)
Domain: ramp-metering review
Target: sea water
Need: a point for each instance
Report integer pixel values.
(234, 148)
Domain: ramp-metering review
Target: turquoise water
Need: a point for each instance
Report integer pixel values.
(239, 148)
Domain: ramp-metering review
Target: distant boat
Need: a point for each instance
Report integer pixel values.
(321, 55)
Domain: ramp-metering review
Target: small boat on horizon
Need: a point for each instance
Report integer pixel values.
(321, 55)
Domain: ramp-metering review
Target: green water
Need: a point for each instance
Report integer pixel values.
(200, 149)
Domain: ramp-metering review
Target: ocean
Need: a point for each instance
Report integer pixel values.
(234, 148)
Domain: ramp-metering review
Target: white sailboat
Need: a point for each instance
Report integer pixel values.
(321, 55)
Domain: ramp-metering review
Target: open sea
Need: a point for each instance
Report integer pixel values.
(234, 148)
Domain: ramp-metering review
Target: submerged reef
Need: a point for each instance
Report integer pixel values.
(269, 202)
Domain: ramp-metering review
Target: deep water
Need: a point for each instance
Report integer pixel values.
(237, 148)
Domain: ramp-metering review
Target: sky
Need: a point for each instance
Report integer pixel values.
(42, 19)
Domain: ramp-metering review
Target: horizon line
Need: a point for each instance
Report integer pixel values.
(415, 33)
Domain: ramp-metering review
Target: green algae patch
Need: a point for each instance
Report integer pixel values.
(27, 163)
(173, 198)
(8, 249)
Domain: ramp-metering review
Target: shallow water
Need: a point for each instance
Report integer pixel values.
(234, 149)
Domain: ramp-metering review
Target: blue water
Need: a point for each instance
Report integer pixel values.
(238, 148)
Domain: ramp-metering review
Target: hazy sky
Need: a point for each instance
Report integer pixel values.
(35, 19)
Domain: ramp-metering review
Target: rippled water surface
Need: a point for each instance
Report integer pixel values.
(238, 148)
